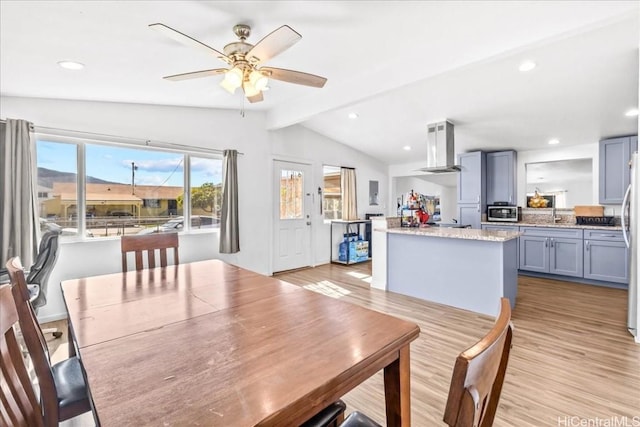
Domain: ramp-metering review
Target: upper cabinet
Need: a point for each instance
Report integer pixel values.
(615, 154)
(471, 179)
(471, 188)
(501, 177)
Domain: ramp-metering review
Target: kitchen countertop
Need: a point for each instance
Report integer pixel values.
(457, 233)
(556, 225)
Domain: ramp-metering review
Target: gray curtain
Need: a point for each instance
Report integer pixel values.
(19, 223)
(349, 194)
(229, 230)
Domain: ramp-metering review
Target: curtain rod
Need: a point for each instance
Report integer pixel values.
(146, 142)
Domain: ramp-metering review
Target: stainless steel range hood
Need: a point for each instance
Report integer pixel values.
(441, 155)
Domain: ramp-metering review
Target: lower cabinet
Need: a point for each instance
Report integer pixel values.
(554, 251)
(606, 256)
(591, 254)
(565, 256)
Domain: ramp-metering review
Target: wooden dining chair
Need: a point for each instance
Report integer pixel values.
(63, 392)
(476, 383)
(20, 406)
(149, 243)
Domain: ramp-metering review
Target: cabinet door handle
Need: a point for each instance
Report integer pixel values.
(478, 207)
(551, 242)
(608, 235)
(546, 242)
(587, 245)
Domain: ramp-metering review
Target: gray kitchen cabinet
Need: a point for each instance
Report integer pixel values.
(469, 214)
(471, 178)
(565, 256)
(550, 250)
(471, 188)
(614, 172)
(501, 177)
(534, 253)
(606, 256)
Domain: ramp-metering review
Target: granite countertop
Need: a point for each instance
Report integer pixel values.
(556, 225)
(458, 233)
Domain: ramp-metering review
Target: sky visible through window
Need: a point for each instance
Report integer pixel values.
(114, 164)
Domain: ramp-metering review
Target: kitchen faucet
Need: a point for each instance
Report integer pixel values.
(553, 215)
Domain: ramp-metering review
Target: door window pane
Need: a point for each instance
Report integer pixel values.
(291, 194)
(57, 189)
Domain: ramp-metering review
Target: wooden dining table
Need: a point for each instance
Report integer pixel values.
(208, 343)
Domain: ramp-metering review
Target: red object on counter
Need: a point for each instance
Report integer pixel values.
(423, 216)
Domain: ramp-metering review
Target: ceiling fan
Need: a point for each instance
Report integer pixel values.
(244, 61)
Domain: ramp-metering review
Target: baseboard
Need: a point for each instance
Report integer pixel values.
(573, 279)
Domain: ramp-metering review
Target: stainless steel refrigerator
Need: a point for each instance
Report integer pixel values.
(631, 231)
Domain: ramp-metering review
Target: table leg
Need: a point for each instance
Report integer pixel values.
(397, 390)
(71, 338)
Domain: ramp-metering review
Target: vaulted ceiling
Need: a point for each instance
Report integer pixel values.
(398, 65)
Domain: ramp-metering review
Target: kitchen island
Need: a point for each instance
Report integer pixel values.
(464, 268)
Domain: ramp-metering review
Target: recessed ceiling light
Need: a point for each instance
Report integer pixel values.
(527, 66)
(353, 115)
(554, 141)
(632, 113)
(407, 148)
(71, 65)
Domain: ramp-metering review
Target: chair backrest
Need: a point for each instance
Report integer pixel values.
(20, 406)
(45, 261)
(478, 375)
(34, 341)
(149, 243)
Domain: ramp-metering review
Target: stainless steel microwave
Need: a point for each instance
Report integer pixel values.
(504, 213)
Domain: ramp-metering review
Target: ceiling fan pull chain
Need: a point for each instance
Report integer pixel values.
(242, 109)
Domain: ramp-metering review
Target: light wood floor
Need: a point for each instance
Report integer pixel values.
(572, 355)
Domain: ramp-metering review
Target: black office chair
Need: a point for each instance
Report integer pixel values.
(38, 275)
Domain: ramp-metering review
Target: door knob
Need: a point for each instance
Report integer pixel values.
(308, 222)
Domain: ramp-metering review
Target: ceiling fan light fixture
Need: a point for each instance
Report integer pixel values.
(228, 86)
(233, 78)
(258, 80)
(249, 89)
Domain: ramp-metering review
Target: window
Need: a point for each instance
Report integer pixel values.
(125, 189)
(332, 196)
(206, 191)
(150, 203)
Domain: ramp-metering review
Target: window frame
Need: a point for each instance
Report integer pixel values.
(81, 142)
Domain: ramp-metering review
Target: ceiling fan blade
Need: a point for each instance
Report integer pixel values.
(273, 44)
(189, 41)
(297, 77)
(195, 74)
(256, 98)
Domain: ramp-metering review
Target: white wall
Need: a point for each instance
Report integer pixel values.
(448, 202)
(297, 143)
(209, 128)
(446, 185)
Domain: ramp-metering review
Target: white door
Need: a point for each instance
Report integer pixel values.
(293, 202)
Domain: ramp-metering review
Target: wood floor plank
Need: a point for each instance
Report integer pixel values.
(572, 355)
